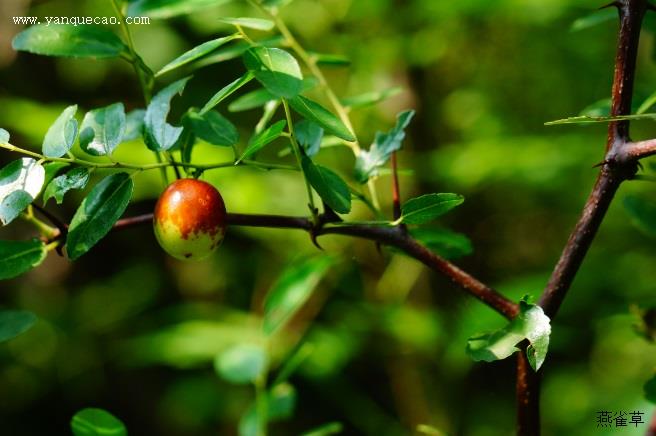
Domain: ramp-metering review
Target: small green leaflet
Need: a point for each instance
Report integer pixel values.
(370, 98)
(102, 130)
(263, 138)
(213, 128)
(250, 23)
(531, 323)
(158, 134)
(67, 40)
(276, 69)
(309, 135)
(4, 136)
(20, 183)
(18, 257)
(226, 92)
(368, 163)
(97, 422)
(243, 363)
(293, 288)
(134, 125)
(650, 389)
(330, 187)
(101, 208)
(169, 8)
(62, 133)
(642, 212)
(14, 323)
(313, 111)
(195, 53)
(75, 178)
(426, 208)
(251, 100)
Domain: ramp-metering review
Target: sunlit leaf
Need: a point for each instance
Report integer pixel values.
(62, 133)
(309, 135)
(313, 111)
(101, 208)
(134, 125)
(195, 54)
(20, 183)
(67, 40)
(276, 69)
(75, 178)
(18, 257)
(426, 208)
(250, 23)
(263, 138)
(226, 91)
(14, 323)
(4, 136)
(102, 130)
(158, 134)
(97, 422)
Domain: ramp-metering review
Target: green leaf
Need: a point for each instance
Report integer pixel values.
(591, 120)
(643, 213)
(97, 422)
(101, 208)
(330, 187)
(292, 290)
(531, 324)
(213, 128)
(600, 108)
(195, 54)
(250, 23)
(169, 8)
(70, 41)
(448, 244)
(280, 402)
(236, 50)
(595, 18)
(4, 136)
(102, 130)
(277, 70)
(325, 430)
(18, 257)
(259, 140)
(20, 183)
(158, 134)
(309, 135)
(331, 59)
(650, 389)
(315, 112)
(426, 208)
(242, 364)
(368, 163)
(62, 133)
(251, 100)
(134, 125)
(14, 323)
(370, 98)
(76, 178)
(225, 92)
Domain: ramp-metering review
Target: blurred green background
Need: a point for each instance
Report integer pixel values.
(131, 330)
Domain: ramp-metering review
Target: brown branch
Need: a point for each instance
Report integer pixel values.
(393, 236)
(633, 151)
(528, 397)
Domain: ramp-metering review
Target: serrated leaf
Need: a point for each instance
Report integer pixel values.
(14, 323)
(102, 130)
(213, 128)
(251, 100)
(76, 178)
(309, 135)
(642, 212)
(69, 41)
(330, 187)
(277, 70)
(531, 324)
(195, 53)
(62, 133)
(250, 23)
(426, 208)
(446, 243)
(313, 111)
(226, 91)
(260, 140)
(292, 289)
(169, 8)
(650, 389)
(158, 134)
(134, 125)
(101, 208)
(97, 422)
(368, 163)
(4, 136)
(370, 98)
(20, 183)
(18, 257)
(243, 363)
